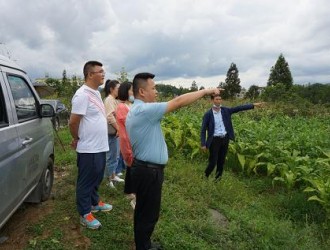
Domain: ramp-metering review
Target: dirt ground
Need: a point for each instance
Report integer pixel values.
(15, 233)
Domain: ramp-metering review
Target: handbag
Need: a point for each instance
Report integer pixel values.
(111, 130)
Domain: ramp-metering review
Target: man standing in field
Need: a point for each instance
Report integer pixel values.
(217, 122)
(150, 152)
(88, 127)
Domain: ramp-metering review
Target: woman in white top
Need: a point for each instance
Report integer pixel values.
(110, 104)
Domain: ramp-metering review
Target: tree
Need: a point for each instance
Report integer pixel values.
(277, 92)
(194, 86)
(74, 85)
(253, 92)
(52, 82)
(182, 90)
(315, 93)
(65, 83)
(166, 90)
(221, 85)
(280, 73)
(232, 83)
(122, 76)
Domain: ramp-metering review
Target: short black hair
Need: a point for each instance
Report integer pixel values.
(123, 91)
(216, 95)
(109, 84)
(139, 81)
(88, 67)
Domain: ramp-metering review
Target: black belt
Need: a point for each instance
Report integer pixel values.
(221, 136)
(146, 164)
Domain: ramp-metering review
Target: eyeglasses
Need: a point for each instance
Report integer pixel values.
(99, 72)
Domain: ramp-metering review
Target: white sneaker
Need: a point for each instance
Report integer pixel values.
(118, 179)
(120, 174)
(111, 185)
(133, 203)
(130, 196)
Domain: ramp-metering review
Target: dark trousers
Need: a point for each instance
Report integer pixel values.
(128, 187)
(218, 151)
(148, 188)
(90, 174)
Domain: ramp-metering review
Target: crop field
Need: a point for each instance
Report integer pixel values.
(293, 151)
(274, 194)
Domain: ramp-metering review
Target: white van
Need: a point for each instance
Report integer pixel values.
(26, 142)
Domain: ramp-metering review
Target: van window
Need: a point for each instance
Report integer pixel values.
(3, 112)
(25, 103)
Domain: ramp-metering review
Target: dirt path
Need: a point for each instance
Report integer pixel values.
(15, 233)
(15, 230)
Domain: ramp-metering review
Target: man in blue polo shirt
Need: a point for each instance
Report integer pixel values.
(150, 151)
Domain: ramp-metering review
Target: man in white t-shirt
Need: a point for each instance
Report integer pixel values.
(88, 127)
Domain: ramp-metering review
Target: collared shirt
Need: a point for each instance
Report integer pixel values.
(219, 127)
(145, 133)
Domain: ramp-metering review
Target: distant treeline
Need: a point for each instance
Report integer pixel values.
(316, 93)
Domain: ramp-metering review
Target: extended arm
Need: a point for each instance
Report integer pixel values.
(186, 99)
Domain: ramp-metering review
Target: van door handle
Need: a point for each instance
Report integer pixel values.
(27, 141)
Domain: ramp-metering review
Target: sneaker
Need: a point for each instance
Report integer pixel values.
(217, 179)
(120, 174)
(133, 203)
(111, 185)
(130, 196)
(155, 246)
(103, 207)
(118, 179)
(89, 221)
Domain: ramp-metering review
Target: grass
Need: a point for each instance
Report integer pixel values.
(259, 216)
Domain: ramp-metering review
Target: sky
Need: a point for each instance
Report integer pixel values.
(180, 41)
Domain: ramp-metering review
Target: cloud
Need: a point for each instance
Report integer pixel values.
(179, 41)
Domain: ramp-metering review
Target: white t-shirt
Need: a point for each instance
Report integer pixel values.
(93, 130)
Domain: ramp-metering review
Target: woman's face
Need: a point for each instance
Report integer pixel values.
(130, 91)
(114, 91)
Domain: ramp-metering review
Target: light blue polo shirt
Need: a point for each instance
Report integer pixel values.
(145, 133)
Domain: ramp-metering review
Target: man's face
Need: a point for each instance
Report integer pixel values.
(98, 75)
(217, 101)
(149, 92)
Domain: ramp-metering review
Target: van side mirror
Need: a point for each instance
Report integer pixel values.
(47, 110)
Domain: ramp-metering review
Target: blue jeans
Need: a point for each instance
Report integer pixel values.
(112, 155)
(121, 165)
(90, 176)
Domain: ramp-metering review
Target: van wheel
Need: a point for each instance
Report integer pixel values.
(47, 180)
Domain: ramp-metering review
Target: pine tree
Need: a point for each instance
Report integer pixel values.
(280, 73)
(232, 83)
(194, 86)
(122, 76)
(64, 88)
(253, 92)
